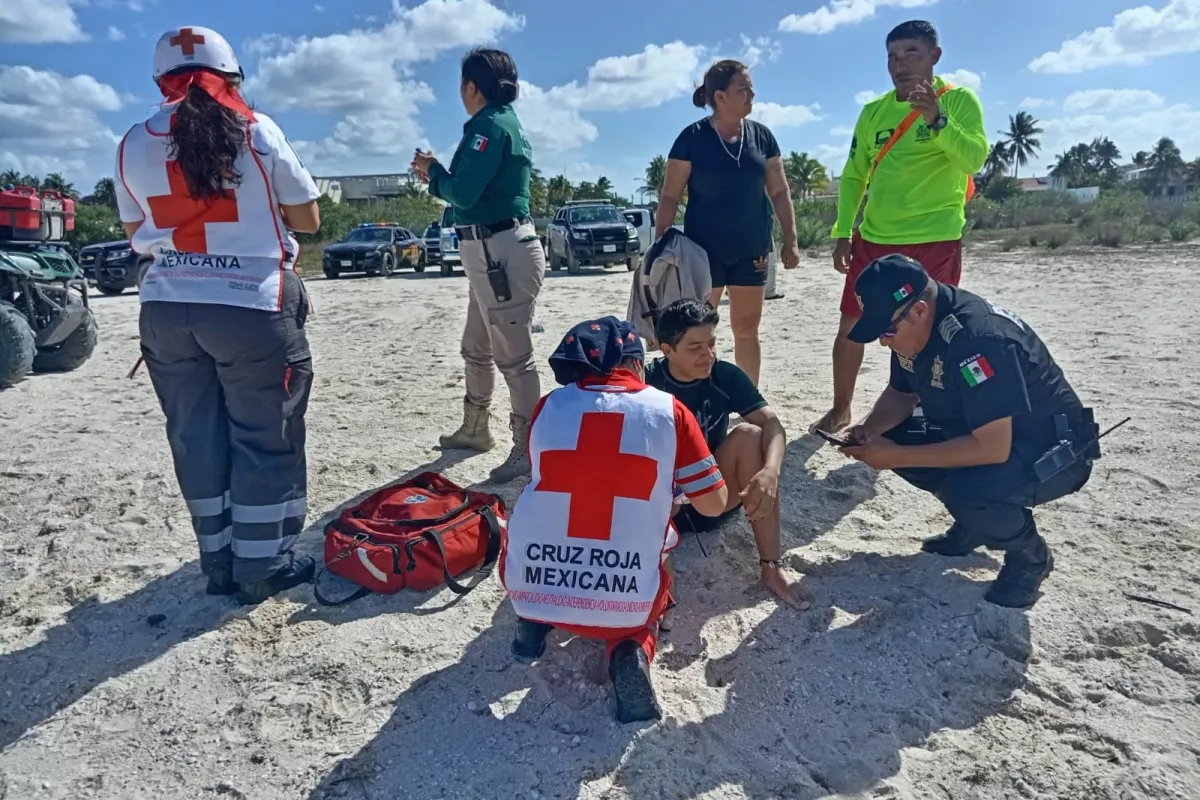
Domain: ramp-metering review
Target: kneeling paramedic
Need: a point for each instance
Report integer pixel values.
(586, 543)
(1000, 429)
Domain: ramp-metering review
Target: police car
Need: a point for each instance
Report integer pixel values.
(374, 248)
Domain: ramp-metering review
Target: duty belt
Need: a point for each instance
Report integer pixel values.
(473, 233)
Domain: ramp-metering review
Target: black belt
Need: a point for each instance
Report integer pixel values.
(470, 233)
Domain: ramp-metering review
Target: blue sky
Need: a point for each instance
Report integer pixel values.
(605, 86)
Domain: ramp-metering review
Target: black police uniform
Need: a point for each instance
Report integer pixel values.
(984, 363)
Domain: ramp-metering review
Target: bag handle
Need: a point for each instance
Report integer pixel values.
(483, 570)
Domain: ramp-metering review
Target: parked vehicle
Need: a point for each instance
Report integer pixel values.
(374, 248)
(113, 266)
(449, 246)
(641, 219)
(433, 243)
(591, 232)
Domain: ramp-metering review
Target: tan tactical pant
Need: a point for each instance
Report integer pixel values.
(501, 334)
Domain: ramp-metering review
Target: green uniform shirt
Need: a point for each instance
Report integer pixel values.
(488, 179)
(918, 192)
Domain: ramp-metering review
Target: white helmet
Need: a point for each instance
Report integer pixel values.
(193, 46)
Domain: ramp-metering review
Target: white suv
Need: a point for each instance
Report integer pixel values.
(450, 255)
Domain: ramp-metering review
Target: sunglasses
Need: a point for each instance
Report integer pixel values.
(891, 329)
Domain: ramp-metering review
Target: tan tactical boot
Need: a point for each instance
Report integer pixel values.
(473, 434)
(517, 463)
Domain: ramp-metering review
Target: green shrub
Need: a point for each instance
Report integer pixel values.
(811, 232)
(1059, 237)
(1109, 234)
(1009, 243)
(1181, 230)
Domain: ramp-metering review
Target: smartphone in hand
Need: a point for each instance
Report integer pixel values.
(834, 440)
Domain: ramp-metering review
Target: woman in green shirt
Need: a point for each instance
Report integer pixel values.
(487, 186)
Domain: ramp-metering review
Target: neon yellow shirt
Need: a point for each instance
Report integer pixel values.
(918, 193)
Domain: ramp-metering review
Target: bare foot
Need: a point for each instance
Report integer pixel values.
(834, 420)
(793, 594)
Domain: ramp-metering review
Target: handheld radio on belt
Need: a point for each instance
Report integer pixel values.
(1064, 454)
(496, 275)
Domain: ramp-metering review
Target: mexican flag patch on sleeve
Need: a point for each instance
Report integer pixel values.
(479, 143)
(976, 370)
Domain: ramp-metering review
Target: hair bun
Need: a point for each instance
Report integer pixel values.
(698, 98)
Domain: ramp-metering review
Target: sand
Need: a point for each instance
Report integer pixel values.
(120, 679)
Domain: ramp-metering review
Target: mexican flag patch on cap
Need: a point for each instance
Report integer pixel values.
(977, 370)
(903, 292)
(479, 143)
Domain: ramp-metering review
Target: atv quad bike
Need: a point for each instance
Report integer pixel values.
(45, 322)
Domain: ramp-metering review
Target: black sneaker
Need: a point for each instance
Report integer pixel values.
(1021, 577)
(530, 641)
(629, 670)
(220, 581)
(299, 571)
(954, 543)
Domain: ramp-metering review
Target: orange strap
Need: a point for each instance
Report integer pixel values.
(902, 128)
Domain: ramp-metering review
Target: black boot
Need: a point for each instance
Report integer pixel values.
(299, 571)
(220, 581)
(629, 670)
(530, 641)
(954, 542)
(1021, 576)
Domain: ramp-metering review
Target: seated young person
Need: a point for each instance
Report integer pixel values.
(750, 455)
(585, 544)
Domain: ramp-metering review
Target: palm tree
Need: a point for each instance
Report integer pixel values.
(998, 159)
(558, 191)
(1141, 158)
(1105, 153)
(804, 174)
(656, 174)
(1021, 142)
(603, 187)
(1165, 163)
(538, 200)
(104, 194)
(59, 183)
(9, 176)
(1192, 172)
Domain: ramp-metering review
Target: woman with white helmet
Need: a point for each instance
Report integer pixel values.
(211, 188)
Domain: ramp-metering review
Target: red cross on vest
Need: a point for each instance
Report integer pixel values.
(595, 474)
(186, 216)
(187, 41)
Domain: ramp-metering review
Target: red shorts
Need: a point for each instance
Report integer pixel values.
(647, 637)
(942, 260)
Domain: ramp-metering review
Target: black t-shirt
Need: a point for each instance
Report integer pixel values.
(725, 211)
(984, 363)
(727, 390)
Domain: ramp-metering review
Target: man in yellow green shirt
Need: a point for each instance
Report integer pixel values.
(918, 189)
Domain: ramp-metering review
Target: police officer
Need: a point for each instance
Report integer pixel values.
(211, 188)
(487, 185)
(992, 403)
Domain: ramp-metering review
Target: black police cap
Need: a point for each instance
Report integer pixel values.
(884, 286)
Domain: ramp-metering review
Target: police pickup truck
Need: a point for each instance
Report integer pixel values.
(113, 266)
(591, 232)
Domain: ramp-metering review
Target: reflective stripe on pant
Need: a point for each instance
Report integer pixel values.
(500, 335)
(992, 502)
(233, 384)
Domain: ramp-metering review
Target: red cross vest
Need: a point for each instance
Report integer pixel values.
(587, 536)
(232, 251)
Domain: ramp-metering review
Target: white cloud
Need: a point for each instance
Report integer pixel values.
(866, 96)
(1030, 103)
(1136, 36)
(51, 124)
(115, 34)
(837, 13)
(964, 77)
(553, 118)
(760, 50)
(841, 130)
(833, 156)
(366, 76)
(1101, 100)
(774, 115)
(39, 22)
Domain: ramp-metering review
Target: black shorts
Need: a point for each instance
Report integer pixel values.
(739, 272)
(689, 520)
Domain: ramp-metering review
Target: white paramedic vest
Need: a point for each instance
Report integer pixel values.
(231, 252)
(588, 534)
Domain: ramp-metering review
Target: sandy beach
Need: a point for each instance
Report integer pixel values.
(120, 679)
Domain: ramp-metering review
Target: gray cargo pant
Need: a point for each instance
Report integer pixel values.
(234, 385)
(500, 335)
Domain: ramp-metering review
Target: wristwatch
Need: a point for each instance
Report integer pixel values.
(940, 122)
